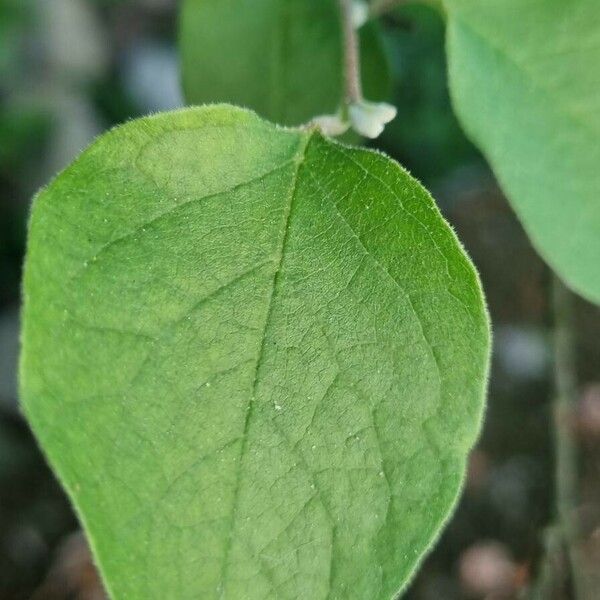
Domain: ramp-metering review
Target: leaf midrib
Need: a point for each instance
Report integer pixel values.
(249, 409)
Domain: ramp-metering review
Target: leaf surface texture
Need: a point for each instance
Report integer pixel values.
(255, 357)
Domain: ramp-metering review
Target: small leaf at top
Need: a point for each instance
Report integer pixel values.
(256, 359)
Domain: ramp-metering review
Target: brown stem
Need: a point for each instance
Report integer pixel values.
(350, 49)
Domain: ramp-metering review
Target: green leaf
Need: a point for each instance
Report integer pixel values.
(281, 58)
(255, 357)
(524, 78)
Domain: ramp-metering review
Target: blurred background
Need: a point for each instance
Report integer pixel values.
(70, 69)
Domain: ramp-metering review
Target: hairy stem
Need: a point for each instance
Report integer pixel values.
(350, 49)
(564, 434)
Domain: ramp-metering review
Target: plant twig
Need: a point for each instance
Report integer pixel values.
(551, 572)
(564, 434)
(350, 48)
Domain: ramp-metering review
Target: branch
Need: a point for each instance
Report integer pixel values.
(551, 574)
(564, 412)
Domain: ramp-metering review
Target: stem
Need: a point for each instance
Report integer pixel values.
(350, 49)
(564, 411)
(551, 573)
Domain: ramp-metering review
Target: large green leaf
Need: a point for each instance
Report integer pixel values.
(255, 357)
(281, 58)
(525, 79)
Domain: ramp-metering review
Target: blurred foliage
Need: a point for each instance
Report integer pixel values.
(33, 513)
(425, 136)
(112, 101)
(508, 494)
(22, 129)
(13, 17)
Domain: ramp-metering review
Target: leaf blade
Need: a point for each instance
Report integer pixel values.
(531, 107)
(323, 292)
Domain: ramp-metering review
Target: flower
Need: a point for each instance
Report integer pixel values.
(331, 125)
(360, 13)
(369, 118)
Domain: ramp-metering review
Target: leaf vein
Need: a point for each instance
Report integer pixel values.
(299, 160)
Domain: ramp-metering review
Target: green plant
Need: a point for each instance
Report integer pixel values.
(262, 351)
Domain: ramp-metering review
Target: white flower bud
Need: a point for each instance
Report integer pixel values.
(360, 13)
(369, 118)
